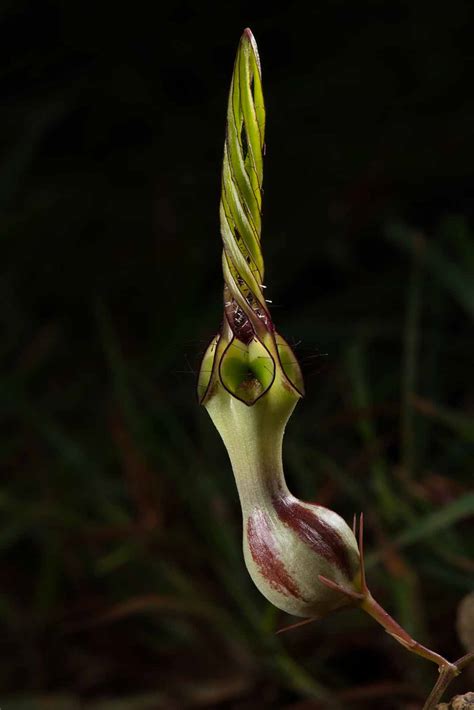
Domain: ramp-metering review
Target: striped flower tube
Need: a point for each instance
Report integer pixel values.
(250, 383)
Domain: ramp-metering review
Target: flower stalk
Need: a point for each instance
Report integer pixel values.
(304, 558)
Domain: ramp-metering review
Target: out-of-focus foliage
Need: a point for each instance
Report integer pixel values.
(121, 565)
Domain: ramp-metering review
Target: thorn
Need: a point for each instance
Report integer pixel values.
(361, 553)
(338, 588)
(297, 625)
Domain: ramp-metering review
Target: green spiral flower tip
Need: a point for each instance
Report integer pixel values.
(248, 355)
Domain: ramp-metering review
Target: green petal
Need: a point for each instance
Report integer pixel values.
(247, 372)
(289, 363)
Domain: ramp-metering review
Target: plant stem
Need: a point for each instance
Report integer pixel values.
(446, 675)
(447, 671)
(365, 601)
(393, 628)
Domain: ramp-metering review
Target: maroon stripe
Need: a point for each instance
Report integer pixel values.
(239, 323)
(264, 551)
(314, 531)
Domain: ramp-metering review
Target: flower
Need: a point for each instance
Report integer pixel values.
(250, 383)
(303, 557)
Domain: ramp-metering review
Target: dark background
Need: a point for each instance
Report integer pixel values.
(122, 572)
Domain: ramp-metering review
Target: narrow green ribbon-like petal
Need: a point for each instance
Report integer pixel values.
(248, 354)
(241, 199)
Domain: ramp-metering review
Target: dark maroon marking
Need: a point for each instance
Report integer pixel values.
(265, 318)
(236, 317)
(315, 532)
(264, 552)
(239, 323)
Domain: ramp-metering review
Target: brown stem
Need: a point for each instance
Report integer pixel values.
(446, 675)
(365, 600)
(391, 626)
(399, 634)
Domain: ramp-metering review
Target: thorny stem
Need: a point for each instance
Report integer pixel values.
(365, 600)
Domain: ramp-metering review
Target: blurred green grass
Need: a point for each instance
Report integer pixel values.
(122, 573)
